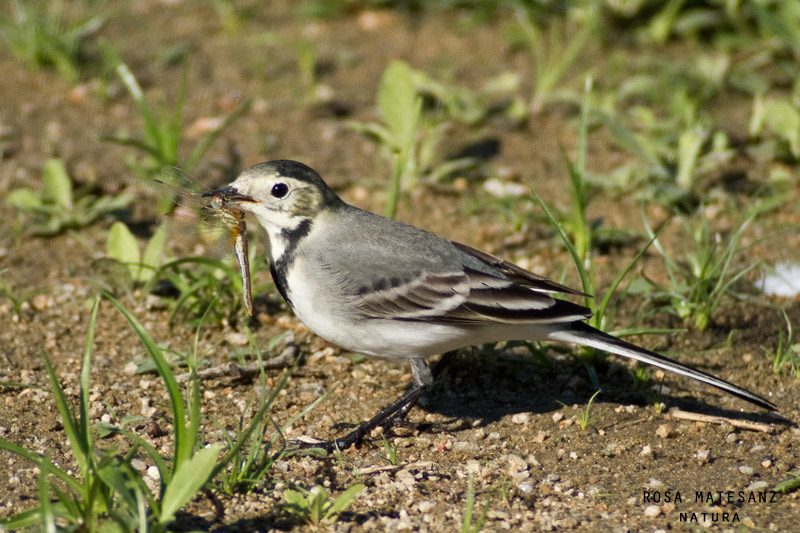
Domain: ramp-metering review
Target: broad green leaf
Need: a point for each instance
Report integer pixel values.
(118, 477)
(294, 497)
(122, 246)
(344, 500)
(108, 203)
(397, 102)
(153, 253)
(689, 144)
(24, 199)
(57, 184)
(507, 82)
(784, 119)
(188, 480)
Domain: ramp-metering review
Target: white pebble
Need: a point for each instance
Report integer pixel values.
(521, 418)
(652, 511)
(426, 506)
(525, 488)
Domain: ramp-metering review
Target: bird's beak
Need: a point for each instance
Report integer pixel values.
(229, 197)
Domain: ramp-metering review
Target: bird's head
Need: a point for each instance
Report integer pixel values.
(282, 195)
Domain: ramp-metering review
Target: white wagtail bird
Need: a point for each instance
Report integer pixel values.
(385, 289)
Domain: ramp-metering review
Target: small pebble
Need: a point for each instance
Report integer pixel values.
(746, 470)
(702, 455)
(406, 478)
(526, 487)
(516, 464)
(237, 339)
(153, 473)
(758, 485)
(426, 506)
(664, 431)
(652, 511)
(40, 302)
(463, 446)
(521, 418)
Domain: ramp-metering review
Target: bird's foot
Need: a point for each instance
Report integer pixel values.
(330, 446)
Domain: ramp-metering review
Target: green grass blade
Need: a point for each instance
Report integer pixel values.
(39, 462)
(129, 80)
(308, 408)
(466, 522)
(158, 461)
(45, 507)
(23, 520)
(172, 129)
(202, 147)
(80, 448)
(629, 332)
(586, 283)
(789, 485)
(139, 144)
(244, 437)
(601, 309)
(86, 369)
(182, 448)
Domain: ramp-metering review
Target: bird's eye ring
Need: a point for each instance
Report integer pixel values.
(279, 190)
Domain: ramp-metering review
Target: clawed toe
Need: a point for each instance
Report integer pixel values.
(305, 442)
(343, 425)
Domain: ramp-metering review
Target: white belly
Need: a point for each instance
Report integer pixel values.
(322, 312)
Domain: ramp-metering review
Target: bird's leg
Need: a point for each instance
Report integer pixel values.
(355, 436)
(423, 381)
(434, 374)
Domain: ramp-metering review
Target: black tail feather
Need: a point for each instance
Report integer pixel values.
(586, 335)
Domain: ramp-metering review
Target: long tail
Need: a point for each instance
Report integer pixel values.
(586, 335)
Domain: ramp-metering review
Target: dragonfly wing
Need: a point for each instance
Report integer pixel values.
(180, 182)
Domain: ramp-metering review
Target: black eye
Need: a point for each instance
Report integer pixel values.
(279, 190)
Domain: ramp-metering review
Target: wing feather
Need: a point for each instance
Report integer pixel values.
(466, 297)
(518, 274)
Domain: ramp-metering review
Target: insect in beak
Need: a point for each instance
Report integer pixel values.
(223, 198)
